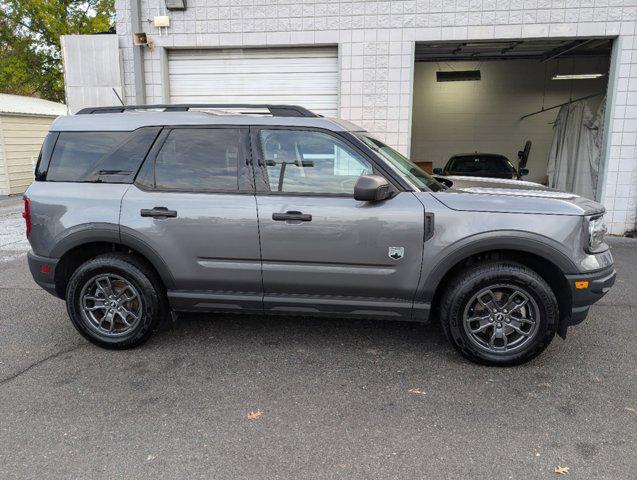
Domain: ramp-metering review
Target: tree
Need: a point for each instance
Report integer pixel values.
(30, 30)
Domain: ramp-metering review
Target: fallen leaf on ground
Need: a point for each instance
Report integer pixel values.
(254, 415)
(630, 409)
(561, 470)
(417, 391)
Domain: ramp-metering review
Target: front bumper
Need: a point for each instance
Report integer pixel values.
(599, 283)
(43, 271)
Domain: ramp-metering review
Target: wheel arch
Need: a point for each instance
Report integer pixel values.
(544, 256)
(83, 244)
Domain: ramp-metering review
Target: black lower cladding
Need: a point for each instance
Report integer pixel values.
(599, 283)
(43, 271)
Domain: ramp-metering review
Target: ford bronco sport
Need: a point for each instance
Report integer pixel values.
(140, 211)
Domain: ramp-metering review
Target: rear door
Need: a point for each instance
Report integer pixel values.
(323, 251)
(193, 206)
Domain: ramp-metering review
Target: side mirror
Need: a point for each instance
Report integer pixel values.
(371, 188)
(437, 171)
(523, 172)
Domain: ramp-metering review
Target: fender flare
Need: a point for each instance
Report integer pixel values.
(111, 233)
(526, 242)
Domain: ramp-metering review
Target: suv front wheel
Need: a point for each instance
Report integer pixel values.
(499, 313)
(115, 301)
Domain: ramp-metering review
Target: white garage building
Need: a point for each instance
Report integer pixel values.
(378, 64)
(24, 122)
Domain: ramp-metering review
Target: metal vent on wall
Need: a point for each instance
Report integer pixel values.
(458, 76)
(175, 4)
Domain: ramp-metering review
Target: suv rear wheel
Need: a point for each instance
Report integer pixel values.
(499, 313)
(115, 301)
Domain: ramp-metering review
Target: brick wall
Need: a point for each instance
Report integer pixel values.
(376, 47)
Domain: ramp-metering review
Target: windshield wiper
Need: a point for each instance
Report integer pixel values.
(114, 172)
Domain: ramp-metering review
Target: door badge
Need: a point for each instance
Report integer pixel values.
(396, 252)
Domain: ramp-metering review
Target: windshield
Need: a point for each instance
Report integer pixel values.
(480, 163)
(406, 167)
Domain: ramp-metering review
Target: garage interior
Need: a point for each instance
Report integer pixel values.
(498, 97)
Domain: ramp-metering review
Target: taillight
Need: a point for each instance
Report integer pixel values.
(26, 214)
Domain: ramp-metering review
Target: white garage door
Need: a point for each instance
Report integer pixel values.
(299, 76)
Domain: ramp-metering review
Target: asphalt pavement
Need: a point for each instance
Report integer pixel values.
(242, 397)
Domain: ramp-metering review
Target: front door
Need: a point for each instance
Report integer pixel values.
(193, 205)
(322, 251)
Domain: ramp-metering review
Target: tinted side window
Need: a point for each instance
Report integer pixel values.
(76, 154)
(45, 155)
(306, 161)
(199, 159)
(122, 163)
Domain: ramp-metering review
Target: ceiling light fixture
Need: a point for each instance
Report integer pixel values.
(577, 76)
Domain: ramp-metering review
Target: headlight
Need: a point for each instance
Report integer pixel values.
(596, 231)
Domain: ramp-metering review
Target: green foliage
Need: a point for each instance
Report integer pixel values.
(30, 57)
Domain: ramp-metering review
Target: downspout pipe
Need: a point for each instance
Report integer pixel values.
(138, 54)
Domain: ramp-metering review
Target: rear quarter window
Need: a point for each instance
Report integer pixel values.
(109, 157)
(45, 155)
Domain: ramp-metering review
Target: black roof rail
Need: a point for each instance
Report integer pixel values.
(275, 110)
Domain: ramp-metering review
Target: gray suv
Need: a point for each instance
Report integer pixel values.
(272, 209)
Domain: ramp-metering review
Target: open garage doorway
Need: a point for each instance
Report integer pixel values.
(539, 103)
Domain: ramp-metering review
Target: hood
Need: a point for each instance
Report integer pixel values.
(513, 196)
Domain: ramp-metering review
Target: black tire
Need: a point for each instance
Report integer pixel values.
(468, 283)
(153, 308)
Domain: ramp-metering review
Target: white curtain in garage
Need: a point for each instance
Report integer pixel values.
(575, 153)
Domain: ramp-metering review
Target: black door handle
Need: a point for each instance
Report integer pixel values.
(159, 212)
(298, 216)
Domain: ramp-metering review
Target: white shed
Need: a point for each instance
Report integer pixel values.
(24, 122)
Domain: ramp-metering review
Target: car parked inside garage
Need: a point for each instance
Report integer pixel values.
(481, 165)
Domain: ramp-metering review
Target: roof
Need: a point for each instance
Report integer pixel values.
(131, 120)
(18, 104)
